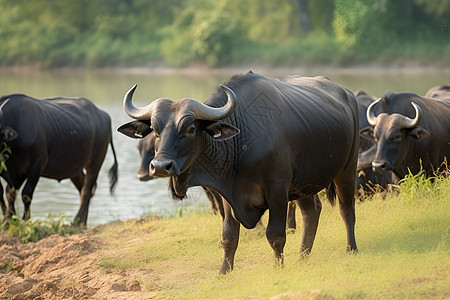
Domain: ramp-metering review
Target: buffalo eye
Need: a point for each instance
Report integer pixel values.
(396, 137)
(190, 130)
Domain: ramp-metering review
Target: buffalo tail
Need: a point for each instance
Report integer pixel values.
(113, 172)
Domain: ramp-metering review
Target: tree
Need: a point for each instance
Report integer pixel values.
(303, 14)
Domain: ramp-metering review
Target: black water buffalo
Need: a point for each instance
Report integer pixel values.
(259, 143)
(368, 181)
(439, 92)
(411, 132)
(55, 138)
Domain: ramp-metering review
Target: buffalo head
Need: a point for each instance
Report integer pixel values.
(7, 134)
(179, 129)
(394, 135)
(146, 148)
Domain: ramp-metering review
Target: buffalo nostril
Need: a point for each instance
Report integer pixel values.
(161, 168)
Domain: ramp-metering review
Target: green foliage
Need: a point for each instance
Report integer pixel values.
(34, 230)
(417, 185)
(213, 36)
(377, 27)
(179, 33)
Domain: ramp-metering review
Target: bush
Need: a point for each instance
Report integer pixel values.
(33, 230)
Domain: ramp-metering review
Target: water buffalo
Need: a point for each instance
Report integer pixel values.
(55, 138)
(368, 181)
(258, 143)
(439, 92)
(411, 132)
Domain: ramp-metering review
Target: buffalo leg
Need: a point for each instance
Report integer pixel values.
(85, 198)
(346, 197)
(78, 181)
(230, 238)
(28, 190)
(88, 189)
(11, 193)
(291, 222)
(276, 228)
(310, 208)
(2, 201)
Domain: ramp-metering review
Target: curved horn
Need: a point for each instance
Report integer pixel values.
(138, 113)
(1, 111)
(3, 104)
(205, 112)
(370, 115)
(406, 122)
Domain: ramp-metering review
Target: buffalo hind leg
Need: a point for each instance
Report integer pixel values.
(85, 198)
(87, 190)
(291, 222)
(346, 196)
(310, 208)
(230, 238)
(78, 181)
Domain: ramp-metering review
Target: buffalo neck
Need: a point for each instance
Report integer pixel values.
(214, 166)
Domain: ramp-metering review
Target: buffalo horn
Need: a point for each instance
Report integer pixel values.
(405, 122)
(205, 112)
(370, 114)
(201, 111)
(1, 107)
(139, 113)
(3, 104)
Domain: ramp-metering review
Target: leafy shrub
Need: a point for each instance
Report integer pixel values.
(34, 230)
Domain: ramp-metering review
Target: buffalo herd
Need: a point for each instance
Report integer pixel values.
(256, 144)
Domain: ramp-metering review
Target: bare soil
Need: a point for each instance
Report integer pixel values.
(60, 267)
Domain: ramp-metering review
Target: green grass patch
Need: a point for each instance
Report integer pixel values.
(403, 242)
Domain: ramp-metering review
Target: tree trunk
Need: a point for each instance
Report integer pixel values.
(303, 14)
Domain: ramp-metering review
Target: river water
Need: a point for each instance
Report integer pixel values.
(106, 89)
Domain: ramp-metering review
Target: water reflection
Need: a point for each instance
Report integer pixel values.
(133, 198)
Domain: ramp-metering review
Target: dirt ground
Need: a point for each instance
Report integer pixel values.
(60, 267)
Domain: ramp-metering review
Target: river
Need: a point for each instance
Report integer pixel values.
(106, 88)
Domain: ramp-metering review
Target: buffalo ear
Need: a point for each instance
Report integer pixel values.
(135, 129)
(367, 131)
(221, 131)
(419, 133)
(9, 134)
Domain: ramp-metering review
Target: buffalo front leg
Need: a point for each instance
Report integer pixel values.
(310, 208)
(276, 229)
(230, 238)
(2, 201)
(11, 193)
(28, 190)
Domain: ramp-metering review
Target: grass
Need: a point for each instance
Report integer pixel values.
(403, 240)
